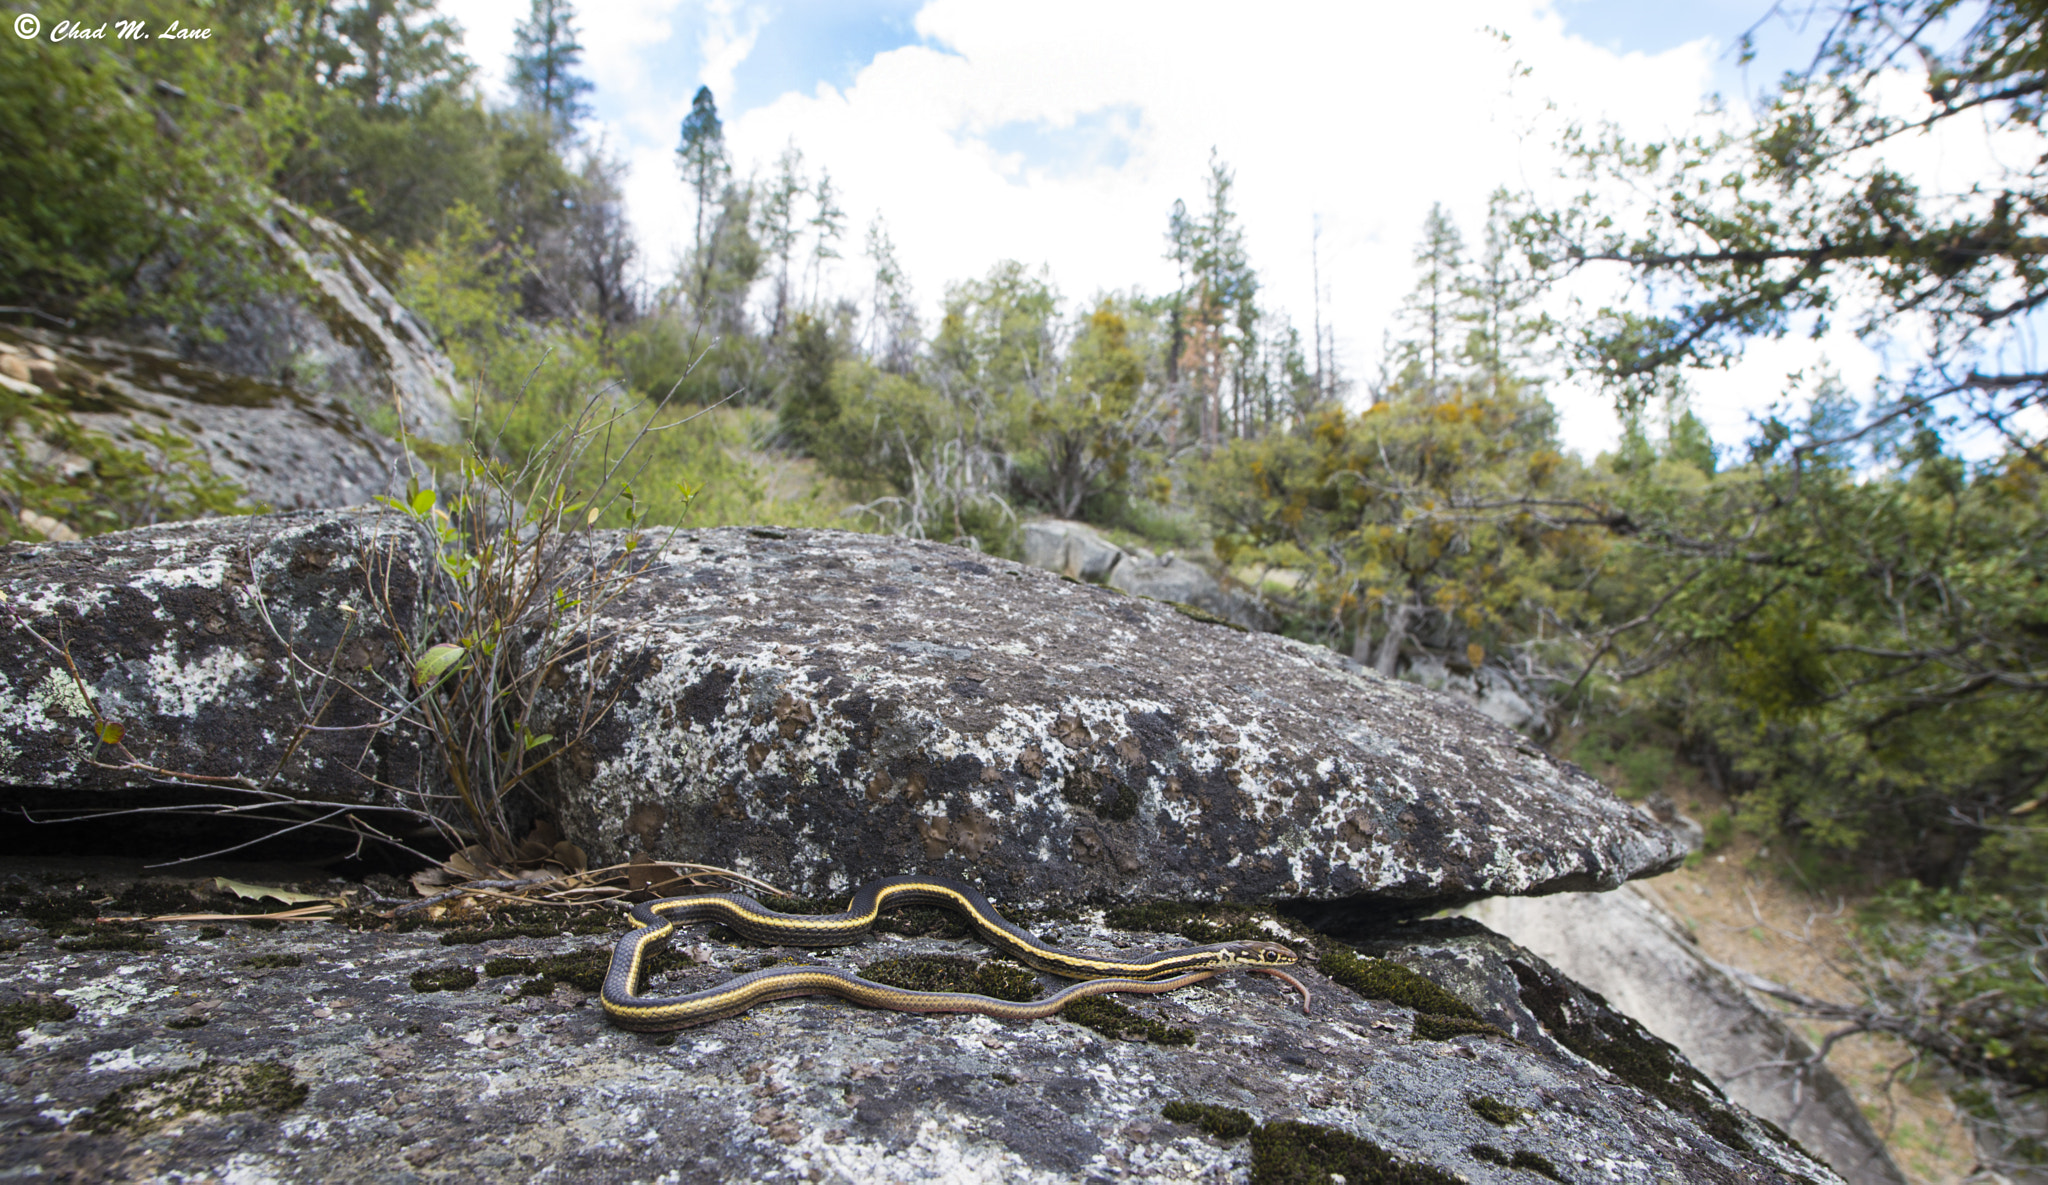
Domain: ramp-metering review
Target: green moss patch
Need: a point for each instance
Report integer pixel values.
(1225, 1123)
(271, 962)
(1431, 1026)
(1519, 1159)
(1199, 923)
(1197, 613)
(9, 945)
(220, 1089)
(27, 1014)
(1494, 1111)
(444, 979)
(1118, 1022)
(109, 938)
(955, 973)
(1308, 1154)
(583, 969)
(1383, 979)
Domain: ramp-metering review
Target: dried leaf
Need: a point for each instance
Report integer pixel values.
(258, 892)
(571, 857)
(429, 881)
(471, 863)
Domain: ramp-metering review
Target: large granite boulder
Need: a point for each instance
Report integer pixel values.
(821, 708)
(375, 1053)
(1624, 946)
(828, 707)
(344, 337)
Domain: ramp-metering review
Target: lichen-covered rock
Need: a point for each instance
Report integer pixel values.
(822, 708)
(286, 450)
(209, 644)
(307, 1054)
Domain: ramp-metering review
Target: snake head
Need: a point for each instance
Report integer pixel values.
(1261, 954)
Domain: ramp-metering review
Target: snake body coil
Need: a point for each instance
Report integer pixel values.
(1162, 972)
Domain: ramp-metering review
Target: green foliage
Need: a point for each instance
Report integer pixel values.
(134, 172)
(1628, 753)
(1423, 518)
(1958, 965)
(544, 60)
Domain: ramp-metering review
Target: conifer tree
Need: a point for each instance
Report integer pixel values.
(544, 57)
(705, 167)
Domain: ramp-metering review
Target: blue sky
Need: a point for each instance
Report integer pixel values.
(1060, 133)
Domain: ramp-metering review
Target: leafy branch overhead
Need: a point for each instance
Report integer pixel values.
(1787, 224)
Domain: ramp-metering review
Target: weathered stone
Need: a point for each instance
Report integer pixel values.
(206, 642)
(1488, 688)
(488, 1083)
(1074, 550)
(347, 338)
(286, 450)
(1069, 548)
(824, 708)
(1625, 947)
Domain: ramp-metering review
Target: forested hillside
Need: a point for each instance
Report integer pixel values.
(1838, 624)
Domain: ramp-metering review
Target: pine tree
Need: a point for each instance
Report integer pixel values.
(702, 157)
(545, 54)
(1435, 306)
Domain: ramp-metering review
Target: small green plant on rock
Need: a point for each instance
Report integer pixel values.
(506, 629)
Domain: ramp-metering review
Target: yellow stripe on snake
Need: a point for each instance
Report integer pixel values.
(1162, 972)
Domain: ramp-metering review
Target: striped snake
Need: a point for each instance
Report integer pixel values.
(1161, 972)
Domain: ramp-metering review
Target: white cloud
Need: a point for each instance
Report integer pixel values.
(724, 44)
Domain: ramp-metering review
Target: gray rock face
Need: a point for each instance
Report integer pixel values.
(1627, 949)
(346, 1072)
(824, 708)
(287, 450)
(1487, 689)
(350, 340)
(181, 634)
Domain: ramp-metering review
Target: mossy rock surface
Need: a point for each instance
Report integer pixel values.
(162, 1099)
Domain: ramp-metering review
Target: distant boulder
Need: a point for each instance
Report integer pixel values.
(1075, 550)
